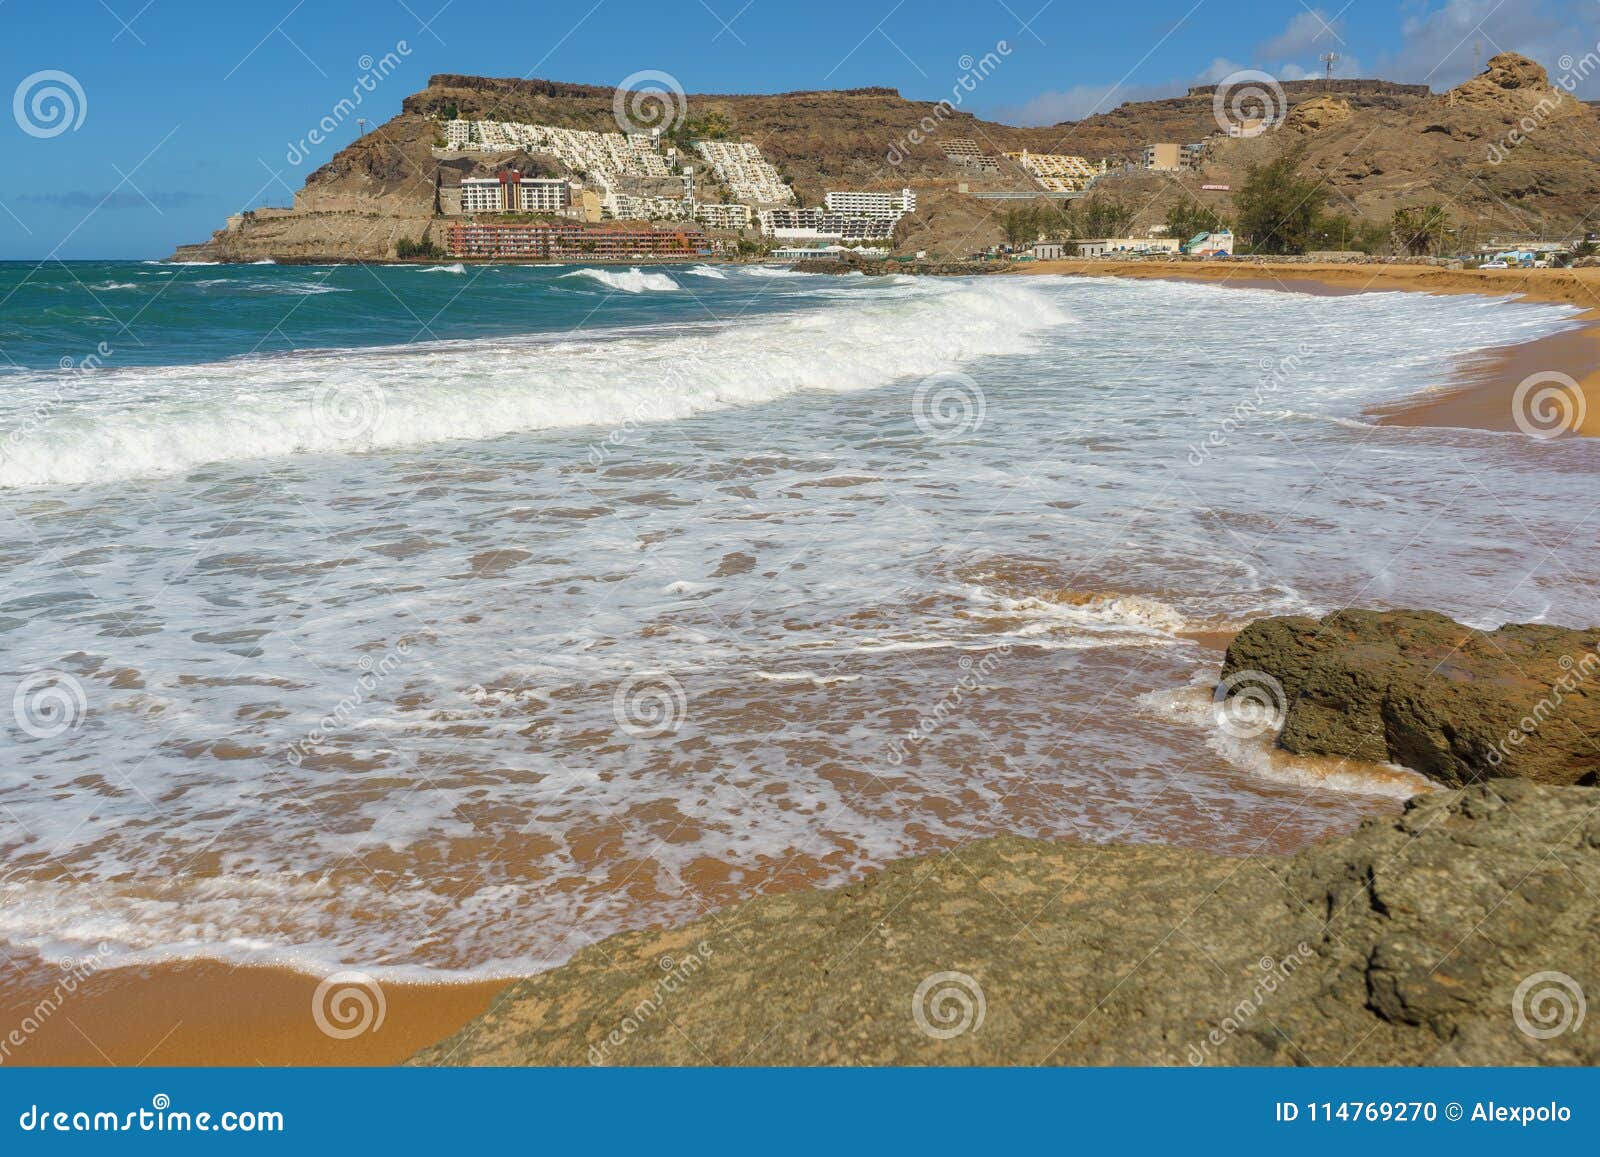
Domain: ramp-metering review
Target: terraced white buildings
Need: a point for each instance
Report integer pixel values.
(748, 175)
(1057, 172)
(611, 161)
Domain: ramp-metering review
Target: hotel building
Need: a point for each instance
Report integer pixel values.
(822, 225)
(560, 241)
(723, 216)
(511, 192)
(893, 205)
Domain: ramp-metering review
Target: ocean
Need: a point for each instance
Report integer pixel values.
(439, 621)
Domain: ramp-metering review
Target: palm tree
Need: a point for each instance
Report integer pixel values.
(1421, 230)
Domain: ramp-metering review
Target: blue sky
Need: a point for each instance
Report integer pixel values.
(183, 112)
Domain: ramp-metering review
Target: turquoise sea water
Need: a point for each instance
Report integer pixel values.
(440, 620)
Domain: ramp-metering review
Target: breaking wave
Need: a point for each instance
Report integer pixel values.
(125, 423)
(633, 280)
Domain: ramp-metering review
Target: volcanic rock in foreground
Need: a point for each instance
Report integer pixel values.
(1460, 932)
(1421, 690)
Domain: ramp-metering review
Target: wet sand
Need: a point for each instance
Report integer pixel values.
(1480, 395)
(208, 1013)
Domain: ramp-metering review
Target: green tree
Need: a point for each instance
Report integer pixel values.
(1024, 224)
(1100, 216)
(1278, 206)
(1188, 219)
(1422, 230)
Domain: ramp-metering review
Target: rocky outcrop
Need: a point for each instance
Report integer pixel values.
(1317, 114)
(1418, 689)
(1460, 932)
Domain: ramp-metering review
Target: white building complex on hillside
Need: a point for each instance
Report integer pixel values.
(891, 205)
(1057, 172)
(748, 176)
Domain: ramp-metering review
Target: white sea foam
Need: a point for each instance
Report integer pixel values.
(148, 421)
(457, 268)
(634, 280)
(1258, 755)
(469, 809)
(710, 271)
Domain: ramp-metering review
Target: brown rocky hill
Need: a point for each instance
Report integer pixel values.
(1506, 151)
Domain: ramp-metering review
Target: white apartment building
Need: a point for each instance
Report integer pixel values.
(892, 205)
(512, 192)
(748, 176)
(821, 225)
(723, 216)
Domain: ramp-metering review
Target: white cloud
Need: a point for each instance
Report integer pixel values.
(1219, 69)
(1442, 41)
(1308, 31)
(1079, 101)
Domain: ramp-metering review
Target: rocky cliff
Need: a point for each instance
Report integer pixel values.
(1459, 932)
(1507, 151)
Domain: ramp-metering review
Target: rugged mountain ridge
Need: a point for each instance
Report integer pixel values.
(1506, 151)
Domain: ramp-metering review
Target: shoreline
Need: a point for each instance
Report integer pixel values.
(1481, 391)
(206, 1012)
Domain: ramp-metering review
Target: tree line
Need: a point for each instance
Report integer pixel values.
(1278, 210)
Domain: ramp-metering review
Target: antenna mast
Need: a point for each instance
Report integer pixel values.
(1328, 61)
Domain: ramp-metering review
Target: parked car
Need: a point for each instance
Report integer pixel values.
(1494, 265)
